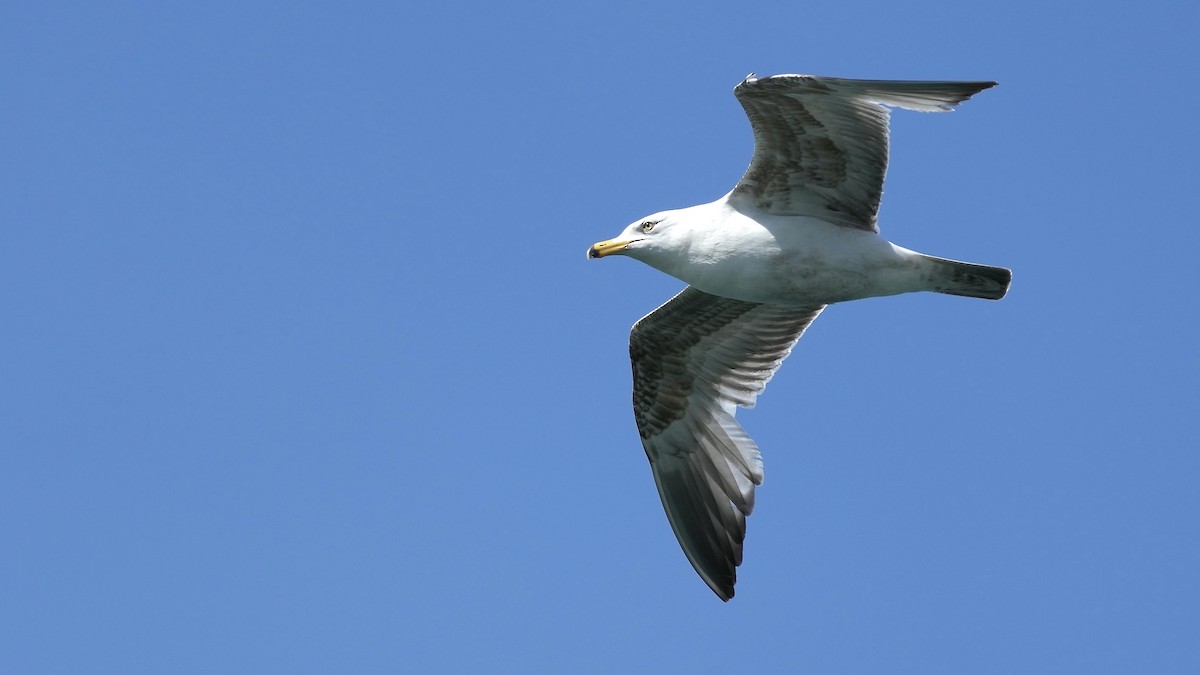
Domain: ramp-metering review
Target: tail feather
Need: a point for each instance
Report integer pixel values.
(968, 279)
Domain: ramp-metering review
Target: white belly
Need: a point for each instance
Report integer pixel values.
(797, 260)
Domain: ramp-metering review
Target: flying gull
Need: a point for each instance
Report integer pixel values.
(796, 233)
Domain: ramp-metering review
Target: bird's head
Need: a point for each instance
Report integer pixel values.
(645, 239)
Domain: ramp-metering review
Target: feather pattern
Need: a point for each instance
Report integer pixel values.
(821, 143)
(695, 360)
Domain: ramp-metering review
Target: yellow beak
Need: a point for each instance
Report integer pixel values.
(609, 247)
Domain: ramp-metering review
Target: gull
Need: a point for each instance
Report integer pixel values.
(798, 232)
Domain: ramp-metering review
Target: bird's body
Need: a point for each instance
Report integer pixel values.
(783, 259)
(798, 232)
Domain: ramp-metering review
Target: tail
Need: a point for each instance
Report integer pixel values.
(968, 279)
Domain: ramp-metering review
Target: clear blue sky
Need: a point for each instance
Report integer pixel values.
(303, 369)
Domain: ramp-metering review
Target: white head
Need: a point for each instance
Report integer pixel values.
(648, 239)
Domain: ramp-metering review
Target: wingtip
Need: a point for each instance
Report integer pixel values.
(970, 90)
(985, 84)
(723, 589)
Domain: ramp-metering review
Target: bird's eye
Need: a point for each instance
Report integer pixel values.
(647, 226)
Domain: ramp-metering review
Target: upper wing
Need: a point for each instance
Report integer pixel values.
(821, 143)
(694, 360)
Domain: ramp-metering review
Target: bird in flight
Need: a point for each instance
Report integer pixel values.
(796, 233)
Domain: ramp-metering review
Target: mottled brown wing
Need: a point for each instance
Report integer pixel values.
(821, 143)
(695, 360)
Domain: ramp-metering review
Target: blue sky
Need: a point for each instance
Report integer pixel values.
(304, 369)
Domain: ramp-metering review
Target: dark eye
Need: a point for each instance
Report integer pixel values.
(647, 226)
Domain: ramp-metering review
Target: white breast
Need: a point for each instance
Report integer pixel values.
(796, 260)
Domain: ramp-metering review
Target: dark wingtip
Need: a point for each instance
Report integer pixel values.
(722, 589)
